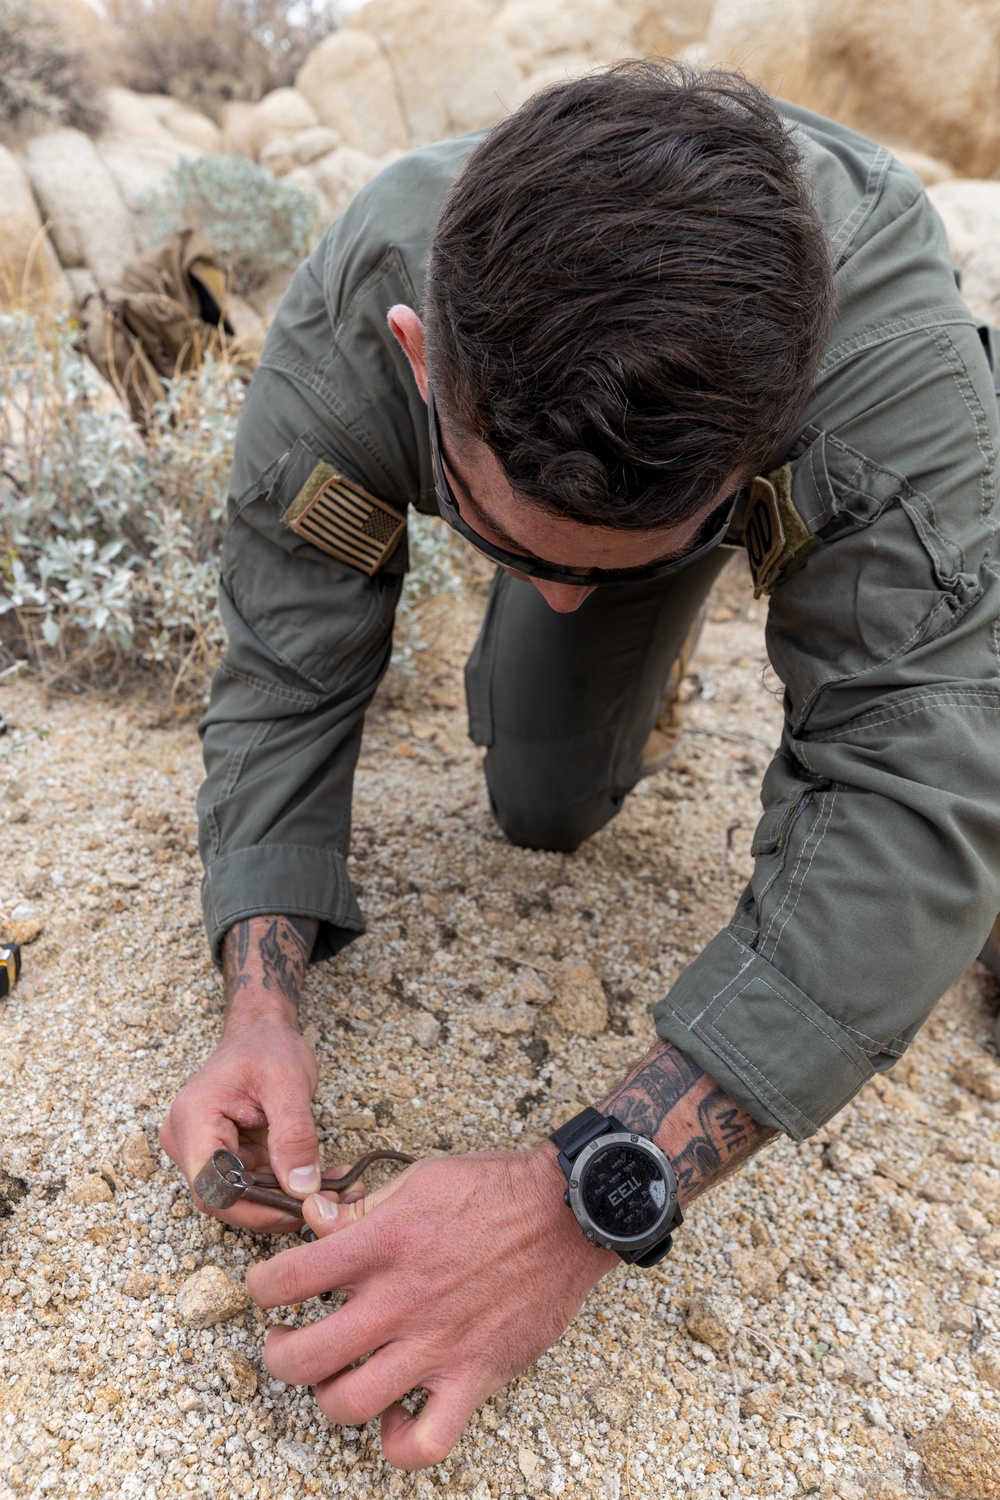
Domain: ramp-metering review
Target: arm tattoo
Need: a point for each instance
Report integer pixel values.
(284, 954)
(707, 1135)
(646, 1096)
(235, 947)
(727, 1136)
(274, 955)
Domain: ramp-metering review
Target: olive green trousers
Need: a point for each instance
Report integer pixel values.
(566, 702)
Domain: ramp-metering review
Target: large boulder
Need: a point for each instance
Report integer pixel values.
(340, 175)
(663, 29)
(925, 76)
(279, 116)
(159, 119)
(29, 270)
(90, 224)
(139, 149)
(971, 214)
(350, 85)
(601, 29)
(454, 70)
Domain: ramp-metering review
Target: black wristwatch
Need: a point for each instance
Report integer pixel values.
(622, 1188)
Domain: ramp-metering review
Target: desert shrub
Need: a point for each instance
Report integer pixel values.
(256, 222)
(44, 80)
(208, 52)
(108, 543)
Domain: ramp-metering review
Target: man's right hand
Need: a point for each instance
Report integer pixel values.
(253, 1095)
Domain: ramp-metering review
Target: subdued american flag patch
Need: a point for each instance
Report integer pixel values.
(342, 519)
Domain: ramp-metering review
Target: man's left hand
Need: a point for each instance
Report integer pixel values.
(459, 1274)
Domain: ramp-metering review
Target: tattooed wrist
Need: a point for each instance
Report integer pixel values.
(706, 1134)
(267, 953)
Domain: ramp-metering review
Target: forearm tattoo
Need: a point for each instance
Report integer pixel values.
(270, 951)
(706, 1134)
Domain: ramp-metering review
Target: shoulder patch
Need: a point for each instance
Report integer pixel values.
(775, 536)
(339, 517)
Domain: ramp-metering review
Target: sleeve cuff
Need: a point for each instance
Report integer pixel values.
(296, 880)
(770, 1047)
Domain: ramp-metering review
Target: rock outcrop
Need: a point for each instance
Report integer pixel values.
(28, 265)
(90, 223)
(925, 76)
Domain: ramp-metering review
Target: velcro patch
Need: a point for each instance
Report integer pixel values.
(339, 517)
(776, 538)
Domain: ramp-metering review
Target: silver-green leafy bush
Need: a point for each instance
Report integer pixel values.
(256, 222)
(108, 542)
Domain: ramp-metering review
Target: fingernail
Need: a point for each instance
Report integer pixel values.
(304, 1179)
(326, 1206)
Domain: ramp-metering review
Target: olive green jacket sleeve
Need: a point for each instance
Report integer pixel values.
(877, 860)
(309, 637)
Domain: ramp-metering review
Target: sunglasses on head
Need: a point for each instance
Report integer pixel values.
(716, 526)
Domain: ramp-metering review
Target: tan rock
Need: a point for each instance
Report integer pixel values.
(921, 76)
(962, 1456)
(238, 1373)
(610, 1403)
(140, 167)
(139, 1284)
(350, 85)
(275, 156)
(983, 1192)
(91, 225)
(987, 1367)
(453, 70)
(662, 30)
(989, 1247)
(191, 128)
(309, 145)
(504, 1019)
(930, 169)
(278, 116)
(529, 987)
(29, 270)
(580, 1006)
(239, 128)
(763, 1401)
(136, 1157)
(896, 1097)
(971, 213)
(979, 1073)
(209, 1296)
(424, 1028)
(714, 1320)
(601, 29)
(22, 930)
(90, 1189)
(759, 1271)
(341, 175)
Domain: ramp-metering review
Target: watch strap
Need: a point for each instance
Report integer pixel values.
(583, 1128)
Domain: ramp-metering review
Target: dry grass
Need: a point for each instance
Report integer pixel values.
(46, 78)
(208, 52)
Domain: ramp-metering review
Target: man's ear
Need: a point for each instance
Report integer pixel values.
(409, 333)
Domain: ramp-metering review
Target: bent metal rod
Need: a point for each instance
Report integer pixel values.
(224, 1181)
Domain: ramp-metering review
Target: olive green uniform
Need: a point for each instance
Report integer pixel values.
(877, 871)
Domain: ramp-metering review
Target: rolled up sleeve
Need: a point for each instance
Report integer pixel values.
(877, 860)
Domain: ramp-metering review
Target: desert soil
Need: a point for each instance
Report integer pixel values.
(858, 1272)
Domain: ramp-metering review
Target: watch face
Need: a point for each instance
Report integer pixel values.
(623, 1191)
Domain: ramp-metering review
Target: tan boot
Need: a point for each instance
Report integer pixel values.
(666, 731)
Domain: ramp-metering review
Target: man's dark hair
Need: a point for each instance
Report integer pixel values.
(629, 293)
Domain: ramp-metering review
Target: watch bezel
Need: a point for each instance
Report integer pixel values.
(590, 1227)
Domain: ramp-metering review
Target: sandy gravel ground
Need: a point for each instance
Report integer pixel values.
(858, 1272)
